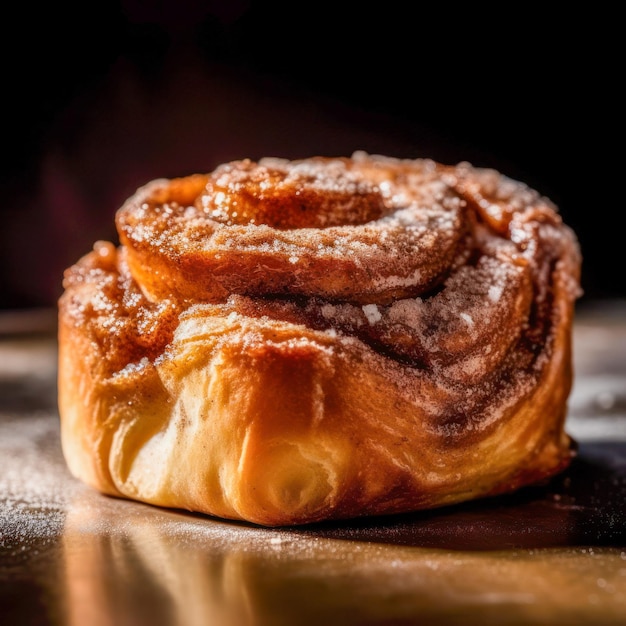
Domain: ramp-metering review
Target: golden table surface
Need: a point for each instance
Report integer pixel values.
(554, 554)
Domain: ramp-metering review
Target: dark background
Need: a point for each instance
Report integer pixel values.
(100, 98)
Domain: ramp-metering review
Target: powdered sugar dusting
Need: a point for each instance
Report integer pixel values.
(495, 291)
(372, 313)
(372, 279)
(35, 489)
(467, 318)
(392, 227)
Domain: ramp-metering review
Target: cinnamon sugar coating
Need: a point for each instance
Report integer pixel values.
(291, 341)
(314, 227)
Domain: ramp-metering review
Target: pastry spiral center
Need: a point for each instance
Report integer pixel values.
(310, 196)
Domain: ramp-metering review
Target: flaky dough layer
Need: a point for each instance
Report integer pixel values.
(285, 342)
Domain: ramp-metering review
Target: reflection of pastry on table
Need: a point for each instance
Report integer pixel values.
(125, 564)
(286, 342)
(142, 573)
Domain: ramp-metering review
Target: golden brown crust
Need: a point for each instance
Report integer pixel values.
(285, 342)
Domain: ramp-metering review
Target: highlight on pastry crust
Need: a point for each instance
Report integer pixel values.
(286, 342)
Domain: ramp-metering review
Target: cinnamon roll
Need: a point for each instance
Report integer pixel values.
(284, 342)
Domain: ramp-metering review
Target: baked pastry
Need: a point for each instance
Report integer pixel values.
(285, 342)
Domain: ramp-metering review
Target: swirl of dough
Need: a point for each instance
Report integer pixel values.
(285, 342)
(362, 229)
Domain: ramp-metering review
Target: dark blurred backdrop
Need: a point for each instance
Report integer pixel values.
(99, 98)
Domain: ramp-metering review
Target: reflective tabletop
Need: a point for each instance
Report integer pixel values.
(551, 554)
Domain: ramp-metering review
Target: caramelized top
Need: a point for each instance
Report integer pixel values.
(456, 271)
(309, 195)
(362, 229)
